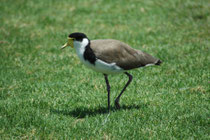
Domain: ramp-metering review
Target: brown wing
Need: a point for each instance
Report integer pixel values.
(114, 51)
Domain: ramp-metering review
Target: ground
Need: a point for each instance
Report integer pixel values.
(46, 93)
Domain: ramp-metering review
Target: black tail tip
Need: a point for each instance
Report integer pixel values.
(158, 62)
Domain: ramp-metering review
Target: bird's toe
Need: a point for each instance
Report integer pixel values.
(117, 105)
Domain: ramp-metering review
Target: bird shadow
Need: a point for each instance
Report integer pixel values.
(82, 112)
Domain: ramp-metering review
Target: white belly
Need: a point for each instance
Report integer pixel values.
(103, 67)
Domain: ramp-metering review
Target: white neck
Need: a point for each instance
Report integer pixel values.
(80, 47)
(83, 44)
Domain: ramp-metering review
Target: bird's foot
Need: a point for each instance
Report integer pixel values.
(117, 105)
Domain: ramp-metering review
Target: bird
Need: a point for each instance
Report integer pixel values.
(109, 56)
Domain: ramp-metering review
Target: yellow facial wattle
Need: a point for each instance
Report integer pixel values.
(70, 43)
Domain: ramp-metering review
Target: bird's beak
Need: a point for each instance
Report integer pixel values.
(69, 43)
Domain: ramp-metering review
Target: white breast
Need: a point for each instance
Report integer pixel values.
(100, 66)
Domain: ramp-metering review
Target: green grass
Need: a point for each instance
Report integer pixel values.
(47, 93)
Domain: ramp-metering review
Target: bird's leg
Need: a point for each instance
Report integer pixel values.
(117, 105)
(108, 89)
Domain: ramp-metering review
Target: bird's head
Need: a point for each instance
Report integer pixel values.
(76, 40)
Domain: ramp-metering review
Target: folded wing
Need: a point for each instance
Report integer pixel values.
(114, 51)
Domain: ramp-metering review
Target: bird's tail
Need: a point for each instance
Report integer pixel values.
(158, 62)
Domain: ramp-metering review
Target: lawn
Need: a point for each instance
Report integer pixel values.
(46, 93)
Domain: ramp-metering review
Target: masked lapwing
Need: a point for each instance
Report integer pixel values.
(109, 56)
